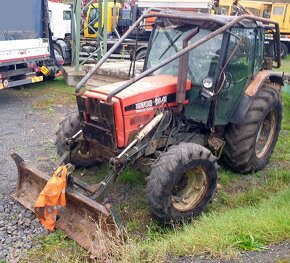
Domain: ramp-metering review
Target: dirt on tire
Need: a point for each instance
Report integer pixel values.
(68, 128)
(168, 170)
(241, 139)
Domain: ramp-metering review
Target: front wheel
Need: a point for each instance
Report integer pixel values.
(68, 128)
(182, 183)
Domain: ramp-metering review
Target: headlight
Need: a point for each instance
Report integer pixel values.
(207, 83)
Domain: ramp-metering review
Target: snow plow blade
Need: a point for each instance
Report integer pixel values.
(87, 222)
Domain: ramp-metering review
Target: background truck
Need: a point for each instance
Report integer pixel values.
(275, 10)
(26, 49)
(60, 23)
(119, 18)
(60, 19)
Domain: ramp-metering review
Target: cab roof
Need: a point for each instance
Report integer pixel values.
(212, 22)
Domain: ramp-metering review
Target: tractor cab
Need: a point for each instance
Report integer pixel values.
(197, 66)
(219, 68)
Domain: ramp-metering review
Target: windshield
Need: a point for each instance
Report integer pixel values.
(202, 60)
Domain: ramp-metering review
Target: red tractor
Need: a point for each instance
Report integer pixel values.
(206, 90)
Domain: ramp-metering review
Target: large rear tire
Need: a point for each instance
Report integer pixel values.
(67, 128)
(141, 54)
(57, 48)
(249, 145)
(284, 50)
(182, 183)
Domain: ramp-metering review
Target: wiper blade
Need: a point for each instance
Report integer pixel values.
(172, 43)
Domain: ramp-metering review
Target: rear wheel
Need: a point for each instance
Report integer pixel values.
(250, 144)
(141, 54)
(67, 128)
(182, 183)
(57, 48)
(284, 50)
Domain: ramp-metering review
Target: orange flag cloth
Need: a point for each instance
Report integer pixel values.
(51, 197)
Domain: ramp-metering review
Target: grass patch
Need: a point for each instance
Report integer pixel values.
(224, 234)
(227, 177)
(54, 247)
(132, 177)
(286, 112)
(248, 242)
(255, 190)
(96, 174)
(50, 94)
(285, 64)
(93, 175)
(248, 213)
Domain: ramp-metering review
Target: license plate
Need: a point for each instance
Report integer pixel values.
(45, 71)
(37, 79)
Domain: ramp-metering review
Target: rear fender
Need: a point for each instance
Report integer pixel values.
(264, 76)
(270, 78)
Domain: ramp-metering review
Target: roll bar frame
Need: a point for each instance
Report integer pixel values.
(225, 26)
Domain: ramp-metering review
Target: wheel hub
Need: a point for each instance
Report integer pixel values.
(190, 189)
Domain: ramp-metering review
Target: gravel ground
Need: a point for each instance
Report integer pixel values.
(30, 133)
(25, 131)
(18, 230)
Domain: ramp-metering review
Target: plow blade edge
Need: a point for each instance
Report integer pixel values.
(82, 219)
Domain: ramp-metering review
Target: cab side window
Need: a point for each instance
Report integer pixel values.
(240, 66)
(259, 54)
(238, 71)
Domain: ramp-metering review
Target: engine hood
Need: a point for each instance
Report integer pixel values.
(145, 94)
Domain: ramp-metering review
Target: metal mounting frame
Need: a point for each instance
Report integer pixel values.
(77, 31)
(225, 24)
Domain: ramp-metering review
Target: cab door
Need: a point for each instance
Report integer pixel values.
(238, 72)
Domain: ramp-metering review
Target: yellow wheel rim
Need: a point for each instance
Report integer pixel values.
(190, 189)
(266, 134)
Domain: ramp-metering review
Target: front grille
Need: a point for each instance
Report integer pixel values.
(98, 122)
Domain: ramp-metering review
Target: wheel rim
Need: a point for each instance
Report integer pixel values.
(266, 134)
(190, 189)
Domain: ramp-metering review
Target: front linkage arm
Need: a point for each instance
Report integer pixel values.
(120, 162)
